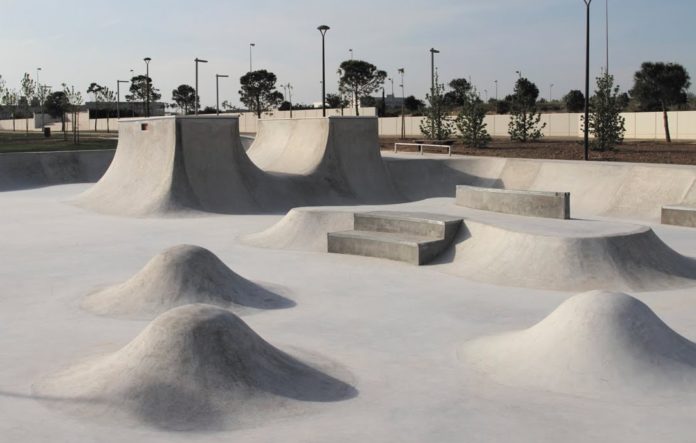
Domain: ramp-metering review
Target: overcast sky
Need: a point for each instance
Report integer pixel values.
(79, 42)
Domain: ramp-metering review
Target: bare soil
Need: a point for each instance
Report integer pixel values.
(651, 151)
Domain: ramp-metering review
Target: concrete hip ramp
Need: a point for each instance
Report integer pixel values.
(172, 164)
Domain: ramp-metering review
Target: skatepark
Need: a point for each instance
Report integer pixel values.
(305, 286)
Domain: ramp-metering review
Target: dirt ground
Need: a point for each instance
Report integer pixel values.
(649, 151)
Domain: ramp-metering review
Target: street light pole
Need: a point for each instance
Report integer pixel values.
(118, 97)
(392, 86)
(217, 91)
(197, 61)
(433, 51)
(606, 11)
(351, 53)
(251, 45)
(587, 82)
(403, 99)
(323, 29)
(41, 92)
(550, 92)
(147, 85)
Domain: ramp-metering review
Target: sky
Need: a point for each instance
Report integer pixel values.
(79, 42)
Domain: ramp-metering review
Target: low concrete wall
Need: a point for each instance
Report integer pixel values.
(508, 201)
(23, 170)
(679, 216)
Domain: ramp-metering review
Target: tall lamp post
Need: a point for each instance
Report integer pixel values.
(323, 29)
(217, 91)
(147, 85)
(351, 53)
(41, 98)
(433, 51)
(288, 91)
(392, 85)
(195, 106)
(550, 92)
(118, 97)
(587, 81)
(251, 45)
(403, 101)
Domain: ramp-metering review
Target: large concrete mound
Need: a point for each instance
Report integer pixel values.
(596, 344)
(180, 275)
(194, 367)
(170, 165)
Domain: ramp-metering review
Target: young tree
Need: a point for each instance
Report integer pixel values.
(470, 121)
(606, 123)
(413, 105)
(10, 99)
(96, 91)
(108, 97)
(259, 92)
(28, 92)
(437, 124)
(139, 90)
(185, 97)
(359, 78)
(524, 121)
(657, 86)
(574, 101)
(74, 98)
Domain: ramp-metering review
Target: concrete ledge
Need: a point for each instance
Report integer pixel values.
(510, 201)
(679, 216)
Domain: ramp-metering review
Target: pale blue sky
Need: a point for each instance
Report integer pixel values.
(79, 42)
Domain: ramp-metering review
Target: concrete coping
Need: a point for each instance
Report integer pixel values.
(679, 208)
(178, 117)
(516, 191)
(411, 216)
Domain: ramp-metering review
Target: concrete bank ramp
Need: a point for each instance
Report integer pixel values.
(195, 367)
(622, 190)
(170, 165)
(181, 275)
(567, 255)
(597, 344)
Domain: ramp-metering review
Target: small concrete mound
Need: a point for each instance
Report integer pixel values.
(195, 367)
(596, 344)
(181, 275)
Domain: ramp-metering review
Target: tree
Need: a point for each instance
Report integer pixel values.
(336, 101)
(57, 105)
(657, 86)
(470, 121)
(413, 105)
(359, 78)
(437, 124)
(28, 92)
(574, 101)
(139, 90)
(460, 87)
(606, 123)
(185, 97)
(96, 90)
(10, 99)
(259, 92)
(75, 101)
(524, 121)
(108, 97)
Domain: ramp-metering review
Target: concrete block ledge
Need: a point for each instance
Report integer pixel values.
(518, 202)
(679, 216)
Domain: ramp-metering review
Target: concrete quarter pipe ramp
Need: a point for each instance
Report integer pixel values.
(172, 164)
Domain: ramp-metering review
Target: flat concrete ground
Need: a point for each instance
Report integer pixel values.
(392, 330)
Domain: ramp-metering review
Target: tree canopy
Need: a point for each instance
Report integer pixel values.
(460, 87)
(574, 101)
(185, 98)
(360, 78)
(139, 87)
(657, 86)
(258, 91)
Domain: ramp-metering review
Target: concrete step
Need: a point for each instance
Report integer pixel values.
(409, 237)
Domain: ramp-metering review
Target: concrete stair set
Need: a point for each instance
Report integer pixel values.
(414, 238)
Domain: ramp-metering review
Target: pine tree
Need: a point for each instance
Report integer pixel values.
(470, 121)
(606, 123)
(437, 124)
(525, 120)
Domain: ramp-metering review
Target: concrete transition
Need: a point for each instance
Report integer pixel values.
(181, 275)
(679, 215)
(414, 238)
(170, 164)
(194, 367)
(596, 344)
(511, 201)
(562, 255)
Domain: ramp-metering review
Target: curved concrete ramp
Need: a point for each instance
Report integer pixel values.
(171, 164)
(566, 255)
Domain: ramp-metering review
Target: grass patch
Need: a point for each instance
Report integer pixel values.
(36, 142)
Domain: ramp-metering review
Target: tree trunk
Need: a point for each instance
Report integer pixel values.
(357, 102)
(666, 122)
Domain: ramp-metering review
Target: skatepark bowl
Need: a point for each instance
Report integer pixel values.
(298, 284)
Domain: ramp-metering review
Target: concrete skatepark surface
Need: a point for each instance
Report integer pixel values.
(406, 353)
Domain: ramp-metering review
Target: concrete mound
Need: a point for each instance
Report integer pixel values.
(181, 275)
(194, 367)
(596, 344)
